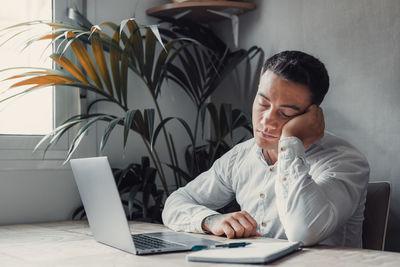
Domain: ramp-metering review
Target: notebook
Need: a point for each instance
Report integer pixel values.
(257, 252)
(106, 216)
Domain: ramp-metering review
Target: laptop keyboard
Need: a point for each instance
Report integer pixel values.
(149, 242)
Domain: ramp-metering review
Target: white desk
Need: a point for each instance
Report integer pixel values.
(71, 244)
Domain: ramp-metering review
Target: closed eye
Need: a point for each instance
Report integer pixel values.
(285, 116)
(265, 105)
(288, 116)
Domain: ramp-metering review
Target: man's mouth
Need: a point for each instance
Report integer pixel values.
(267, 135)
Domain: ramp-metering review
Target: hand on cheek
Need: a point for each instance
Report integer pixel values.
(308, 127)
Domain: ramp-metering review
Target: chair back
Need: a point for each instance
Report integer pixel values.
(376, 215)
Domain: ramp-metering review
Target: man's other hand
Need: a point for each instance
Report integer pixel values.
(308, 127)
(233, 225)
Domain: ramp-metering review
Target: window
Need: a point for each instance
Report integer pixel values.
(33, 113)
(25, 120)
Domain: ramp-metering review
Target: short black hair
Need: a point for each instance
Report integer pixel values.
(302, 68)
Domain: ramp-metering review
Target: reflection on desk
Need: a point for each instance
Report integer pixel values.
(71, 244)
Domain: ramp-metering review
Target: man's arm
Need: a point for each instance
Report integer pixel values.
(185, 208)
(310, 208)
(192, 208)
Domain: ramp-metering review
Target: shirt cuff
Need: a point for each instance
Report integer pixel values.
(198, 220)
(290, 148)
(291, 163)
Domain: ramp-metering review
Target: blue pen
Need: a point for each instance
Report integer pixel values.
(227, 245)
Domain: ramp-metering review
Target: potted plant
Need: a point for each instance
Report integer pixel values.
(197, 64)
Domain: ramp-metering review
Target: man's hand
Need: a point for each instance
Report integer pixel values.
(308, 127)
(233, 225)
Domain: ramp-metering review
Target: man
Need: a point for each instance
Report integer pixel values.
(291, 180)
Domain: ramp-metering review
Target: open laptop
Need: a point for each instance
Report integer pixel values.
(106, 215)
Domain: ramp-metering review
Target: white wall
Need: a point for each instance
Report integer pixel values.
(359, 41)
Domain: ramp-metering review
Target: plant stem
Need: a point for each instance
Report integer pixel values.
(157, 164)
(152, 91)
(164, 132)
(178, 181)
(215, 151)
(164, 181)
(194, 159)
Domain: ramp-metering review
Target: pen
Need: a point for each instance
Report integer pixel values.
(227, 245)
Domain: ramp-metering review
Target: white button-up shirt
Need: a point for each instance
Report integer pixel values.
(313, 196)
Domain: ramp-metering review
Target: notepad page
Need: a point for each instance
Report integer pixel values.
(254, 253)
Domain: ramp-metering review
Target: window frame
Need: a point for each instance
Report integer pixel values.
(66, 103)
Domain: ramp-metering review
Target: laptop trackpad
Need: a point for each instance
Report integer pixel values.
(182, 238)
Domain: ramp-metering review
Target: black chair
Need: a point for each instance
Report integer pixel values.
(376, 215)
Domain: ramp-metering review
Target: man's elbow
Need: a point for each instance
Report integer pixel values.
(304, 235)
(169, 211)
(311, 233)
(164, 217)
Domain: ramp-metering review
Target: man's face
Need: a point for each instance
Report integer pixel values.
(277, 101)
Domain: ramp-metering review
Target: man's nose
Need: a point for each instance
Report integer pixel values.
(269, 120)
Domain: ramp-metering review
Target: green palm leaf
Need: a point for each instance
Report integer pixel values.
(81, 133)
(150, 45)
(58, 132)
(124, 73)
(156, 33)
(214, 118)
(136, 42)
(129, 123)
(55, 133)
(49, 77)
(69, 39)
(98, 52)
(163, 122)
(70, 67)
(84, 59)
(116, 29)
(225, 115)
(149, 115)
(107, 131)
(115, 54)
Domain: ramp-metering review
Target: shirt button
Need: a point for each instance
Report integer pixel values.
(283, 148)
(262, 195)
(283, 178)
(271, 169)
(263, 224)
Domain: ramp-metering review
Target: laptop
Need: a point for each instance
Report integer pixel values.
(107, 218)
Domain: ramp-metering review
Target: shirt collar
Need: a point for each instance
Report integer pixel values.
(260, 155)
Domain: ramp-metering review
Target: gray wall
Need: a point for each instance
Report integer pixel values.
(173, 102)
(32, 189)
(359, 41)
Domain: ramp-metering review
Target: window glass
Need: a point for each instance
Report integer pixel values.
(31, 114)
